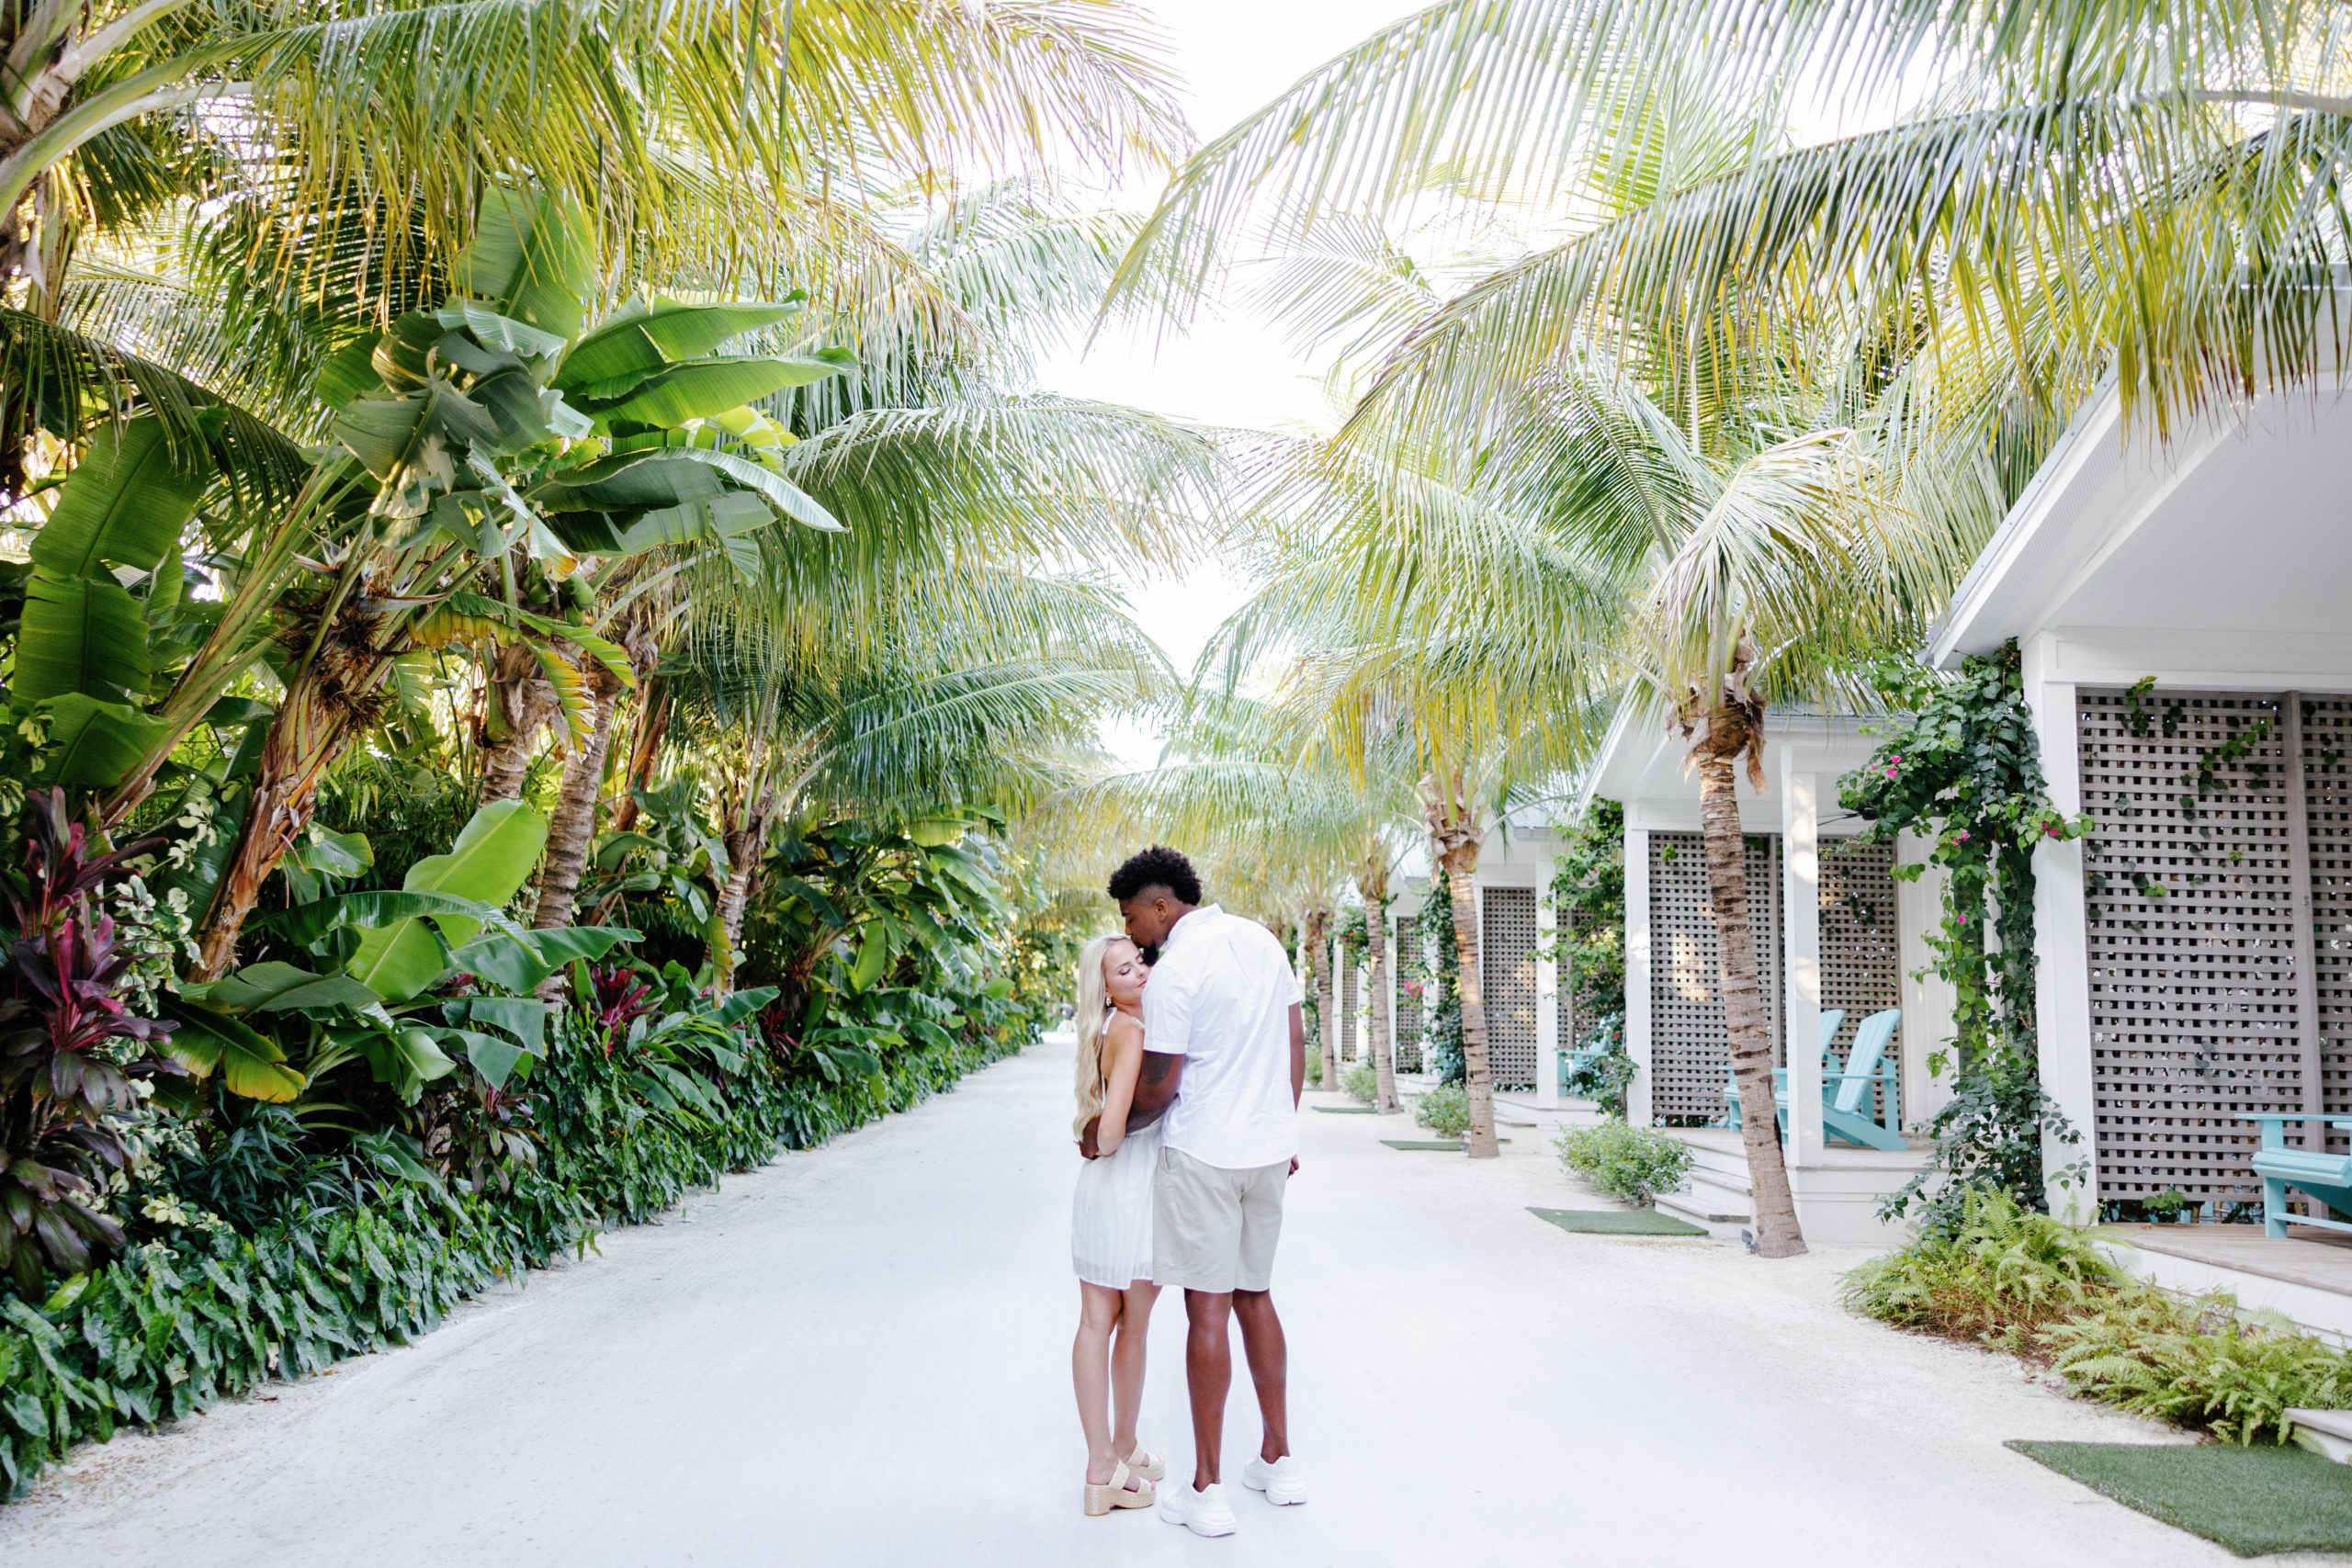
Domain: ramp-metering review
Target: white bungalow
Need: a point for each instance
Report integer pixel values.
(1834, 932)
(1525, 1015)
(2184, 613)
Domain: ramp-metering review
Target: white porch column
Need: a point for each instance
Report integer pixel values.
(1547, 990)
(1801, 926)
(2063, 980)
(1928, 998)
(1637, 973)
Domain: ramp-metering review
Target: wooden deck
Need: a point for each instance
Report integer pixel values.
(2317, 1260)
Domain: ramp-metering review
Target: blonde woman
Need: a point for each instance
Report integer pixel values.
(1110, 1228)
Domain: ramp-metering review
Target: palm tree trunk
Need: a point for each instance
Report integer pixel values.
(572, 829)
(652, 723)
(519, 701)
(331, 701)
(1745, 1024)
(1319, 965)
(1459, 844)
(743, 850)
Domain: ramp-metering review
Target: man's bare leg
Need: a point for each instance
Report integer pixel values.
(1269, 1353)
(1208, 1374)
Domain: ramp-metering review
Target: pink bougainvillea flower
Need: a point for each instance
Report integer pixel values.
(1962, 838)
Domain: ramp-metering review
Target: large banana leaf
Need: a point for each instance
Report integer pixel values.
(410, 444)
(249, 1061)
(125, 503)
(721, 517)
(702, 387)
(79, 634)
(488, 863)
(514, 966)
(277, 987)
(348, 373)
(524, 1018)
(533, 258)
(638, 340)
(94, 744)
(667, 475)
(499, 331)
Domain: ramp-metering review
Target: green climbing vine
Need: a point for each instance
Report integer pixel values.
(1440, 1000)
(1962, 768)
(1588, 946)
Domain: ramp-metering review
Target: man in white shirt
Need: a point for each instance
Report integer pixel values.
(1226, 1054)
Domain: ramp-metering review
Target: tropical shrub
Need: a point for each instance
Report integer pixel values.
(1444, 1110)
(1634, 1164)
(1359, 1083)
(1999, 1276)
(2199, 1364)
(2022, 1281)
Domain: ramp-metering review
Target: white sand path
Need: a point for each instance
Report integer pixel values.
(859, 1356)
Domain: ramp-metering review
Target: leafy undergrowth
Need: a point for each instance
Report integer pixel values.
(1444, 1110)
(1634, 1164)
(2023, 1282)
(367, 1247)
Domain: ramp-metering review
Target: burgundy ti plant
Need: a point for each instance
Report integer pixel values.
(62, 1074)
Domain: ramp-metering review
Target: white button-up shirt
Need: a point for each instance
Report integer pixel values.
(1220, 997)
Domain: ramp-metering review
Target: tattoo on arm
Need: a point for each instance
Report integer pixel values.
(1155, 1087)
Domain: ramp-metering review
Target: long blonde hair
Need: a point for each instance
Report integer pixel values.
(1094, 1017)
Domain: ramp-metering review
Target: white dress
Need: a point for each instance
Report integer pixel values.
(1110, 1231)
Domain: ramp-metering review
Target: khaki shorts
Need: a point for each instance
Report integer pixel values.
(1214, 1229)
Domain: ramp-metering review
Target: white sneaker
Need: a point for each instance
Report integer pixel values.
(1282, 1481)
(1204, 1513)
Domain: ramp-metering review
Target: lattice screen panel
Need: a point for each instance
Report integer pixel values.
(1688, 1054)
(2203, 988)
(2327, 795)
(1862, 969)
(1506, 968)
(1345, 972)
(1408, 1007)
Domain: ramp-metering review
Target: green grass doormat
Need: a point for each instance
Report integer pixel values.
(1452, 1145)
(1346, 1110)
(1618, 1221)
(2253, 1501)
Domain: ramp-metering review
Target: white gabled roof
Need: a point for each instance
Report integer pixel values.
(2234, 533)
(1642, 763)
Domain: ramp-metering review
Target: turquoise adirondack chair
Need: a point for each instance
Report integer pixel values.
(2326, 1177)
(1832, 1019)
(1843, 1090)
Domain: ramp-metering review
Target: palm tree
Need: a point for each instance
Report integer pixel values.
(313, 182)
(1768, 396)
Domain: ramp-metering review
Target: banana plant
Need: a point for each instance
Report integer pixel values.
(380, 952)
(504, 453)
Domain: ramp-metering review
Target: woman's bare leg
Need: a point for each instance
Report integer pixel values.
(1089, 1365)
(1126, 1365)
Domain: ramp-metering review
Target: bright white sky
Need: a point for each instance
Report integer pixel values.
(1234, 56)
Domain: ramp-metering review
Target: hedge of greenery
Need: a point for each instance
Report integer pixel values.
(307, 1259)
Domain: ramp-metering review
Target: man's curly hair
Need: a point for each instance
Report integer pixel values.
(1157, 866)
